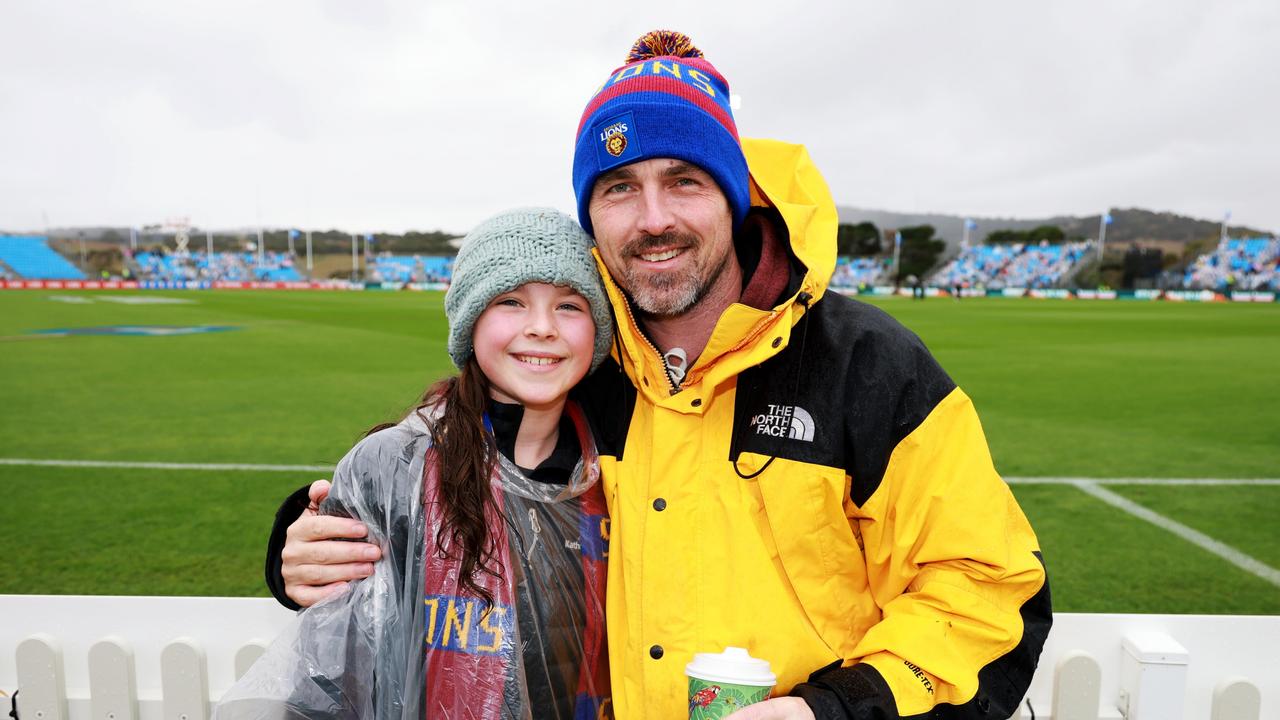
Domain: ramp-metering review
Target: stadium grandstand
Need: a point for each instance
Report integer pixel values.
(412, 269)
(1237, 264)
(1011, 266)
(859, 272)
(219, 266)
(30, 257)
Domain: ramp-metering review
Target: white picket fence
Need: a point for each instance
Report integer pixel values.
(169, 658)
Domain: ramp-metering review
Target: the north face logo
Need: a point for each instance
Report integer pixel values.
(789, 421)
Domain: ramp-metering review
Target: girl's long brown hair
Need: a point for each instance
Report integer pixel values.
(464, 458)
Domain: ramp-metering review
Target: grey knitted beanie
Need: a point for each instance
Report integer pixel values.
(517, 247)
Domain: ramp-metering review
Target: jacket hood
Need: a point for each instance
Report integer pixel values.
(785, 178)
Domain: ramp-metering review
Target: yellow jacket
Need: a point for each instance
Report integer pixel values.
(878, 546)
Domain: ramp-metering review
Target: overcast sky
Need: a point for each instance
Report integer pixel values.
(371, 115)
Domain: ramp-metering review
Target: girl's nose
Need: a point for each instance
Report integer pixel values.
(541, 322)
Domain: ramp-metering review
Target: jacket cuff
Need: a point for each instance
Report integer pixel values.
(290, 510)
(857, 692)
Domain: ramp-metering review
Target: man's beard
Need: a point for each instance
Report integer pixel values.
(671, 293)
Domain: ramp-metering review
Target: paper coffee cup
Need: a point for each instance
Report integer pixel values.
(720, 683)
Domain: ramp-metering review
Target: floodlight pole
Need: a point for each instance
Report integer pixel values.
(133, 238)
(308, 251)
(1102, 236)
(208, 242)
(964, 242)
(354, 265)
(262, 260)
(897, 254)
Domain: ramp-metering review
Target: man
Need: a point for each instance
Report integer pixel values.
(787, 470)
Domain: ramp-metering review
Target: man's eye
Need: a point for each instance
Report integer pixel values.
(686, 181)
(618, 188)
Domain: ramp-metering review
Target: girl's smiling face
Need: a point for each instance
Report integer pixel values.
(534, 343)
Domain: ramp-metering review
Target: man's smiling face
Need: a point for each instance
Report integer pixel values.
(665, 231)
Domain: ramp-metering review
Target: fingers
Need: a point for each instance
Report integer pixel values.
(306, 595)
(318, 560)
(312, 528)
(311, 575)
(335, 564)
(783, 708)
(318, 491)
(326, 552)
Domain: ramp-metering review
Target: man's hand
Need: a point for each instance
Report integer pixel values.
(313, 563)
(783, 708)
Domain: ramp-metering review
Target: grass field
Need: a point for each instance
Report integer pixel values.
(1065, 388)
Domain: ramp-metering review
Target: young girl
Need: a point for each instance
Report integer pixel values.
(489, 599)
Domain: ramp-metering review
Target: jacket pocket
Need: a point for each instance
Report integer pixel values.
(820, 550)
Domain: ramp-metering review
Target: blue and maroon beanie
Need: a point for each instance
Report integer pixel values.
(667, 101)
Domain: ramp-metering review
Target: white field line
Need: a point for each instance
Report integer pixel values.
(248, 467)
(1091, 486)
(1140, 481)
(223, 467)
(1195, 537)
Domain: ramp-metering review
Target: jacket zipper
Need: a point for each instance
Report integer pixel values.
(670, 384)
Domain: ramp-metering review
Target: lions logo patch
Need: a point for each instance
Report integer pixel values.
(616, 144)
(617, 141)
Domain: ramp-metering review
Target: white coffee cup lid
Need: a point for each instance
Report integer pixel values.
(734, 665)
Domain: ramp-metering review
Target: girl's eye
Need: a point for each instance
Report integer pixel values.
(509, 302)
(572, 306)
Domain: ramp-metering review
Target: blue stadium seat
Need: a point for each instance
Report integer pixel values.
(413, 268)
(31, 257)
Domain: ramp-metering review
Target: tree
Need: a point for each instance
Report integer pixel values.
(1052, 233)
(859, 240)
(920, 250)
(1005, 237)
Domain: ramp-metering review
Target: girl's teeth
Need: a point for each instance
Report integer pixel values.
(536, 360)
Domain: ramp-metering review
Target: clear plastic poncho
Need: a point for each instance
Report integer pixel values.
(408, 642)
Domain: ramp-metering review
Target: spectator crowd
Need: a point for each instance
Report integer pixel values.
(1012, 266)
(1237, 264)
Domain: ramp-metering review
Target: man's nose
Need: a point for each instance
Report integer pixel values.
(656, 216)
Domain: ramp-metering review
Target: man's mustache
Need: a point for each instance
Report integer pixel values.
(648, 243)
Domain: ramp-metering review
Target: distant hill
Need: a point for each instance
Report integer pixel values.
(1129, 225)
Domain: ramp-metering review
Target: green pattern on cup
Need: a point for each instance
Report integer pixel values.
(712, 700)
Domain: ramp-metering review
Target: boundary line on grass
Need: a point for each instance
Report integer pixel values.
(252, 467)
(224, 467)
(1091, 486)
(1140, 481)
(1195, 537)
